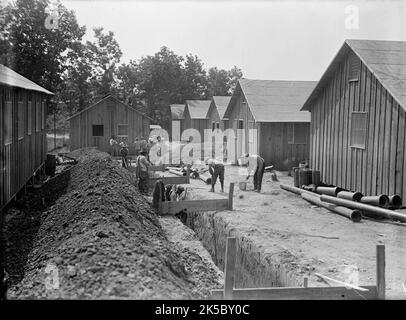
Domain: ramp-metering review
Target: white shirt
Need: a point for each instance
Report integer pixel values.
(252, 164)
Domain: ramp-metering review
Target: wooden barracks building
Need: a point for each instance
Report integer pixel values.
(358, 118)
(273, 109)
(23, 110)
(94, 126)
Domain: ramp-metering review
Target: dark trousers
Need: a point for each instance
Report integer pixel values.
(259, 173)
(217, 171)
(143, 181)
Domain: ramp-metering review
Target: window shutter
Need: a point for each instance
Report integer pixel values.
(354, 68)
(8, 122)
(20, 117)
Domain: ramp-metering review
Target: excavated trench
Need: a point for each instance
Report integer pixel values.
(253, 268)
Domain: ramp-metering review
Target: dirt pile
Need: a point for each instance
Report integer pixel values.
(100, 240)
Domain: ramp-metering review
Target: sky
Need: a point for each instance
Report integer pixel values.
(275, 40)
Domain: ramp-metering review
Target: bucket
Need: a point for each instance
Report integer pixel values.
(243, 185)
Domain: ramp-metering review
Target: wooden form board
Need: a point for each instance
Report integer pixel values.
(298, 293)
(161, 167)
(173, 207)
(170, 180)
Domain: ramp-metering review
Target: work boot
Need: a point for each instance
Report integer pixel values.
(211, 190)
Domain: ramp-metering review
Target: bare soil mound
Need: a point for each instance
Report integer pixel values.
(105, 242)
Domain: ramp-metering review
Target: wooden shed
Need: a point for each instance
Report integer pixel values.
(272, 107)
(94, 126)
(358, 118)
(195, 115)
(178, 119)
(215, 115)
(23, 110)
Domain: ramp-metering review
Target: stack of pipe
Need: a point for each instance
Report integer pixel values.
(354, 215)
(177, 172)
(353, 196)
(205, 177)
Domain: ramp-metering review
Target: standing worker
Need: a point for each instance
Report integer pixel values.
(142, 172)
(216, 169)
(113, 145)
(124, 153)
(137, 146)
(256, 167)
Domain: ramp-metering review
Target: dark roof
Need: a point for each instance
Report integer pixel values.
(177, 111)
(14, 79)
(198, 108)
(221, 103)
(109, 97)
(275, 100)
(386, 60)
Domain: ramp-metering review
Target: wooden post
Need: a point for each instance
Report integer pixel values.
(188, 173)
(160, 201)
(380, 271)
(305, 282)
(229, 268)
(230, 196)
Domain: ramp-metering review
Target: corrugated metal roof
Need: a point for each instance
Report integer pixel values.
(277, 100)
(198, 108)
(14, 79)
(385, 59)
(177, 111)
(221, 103)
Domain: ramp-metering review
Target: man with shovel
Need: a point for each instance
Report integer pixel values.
(256, 167)
(216, 169)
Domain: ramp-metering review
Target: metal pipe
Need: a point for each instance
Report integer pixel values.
(178, 173)
(295, 189)
(353, 196)
(331, 191)
(353, 214)
(381, 200)
(365, 208)
(395, 201)
(205, 178)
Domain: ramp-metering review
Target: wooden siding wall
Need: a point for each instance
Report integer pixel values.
(214, 116)
(108, 113)
(274, 147)
(22, 157)
(381, 166)
(241, 111)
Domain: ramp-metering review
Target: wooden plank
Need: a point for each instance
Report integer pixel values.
(400, 154)
(230, 196)
(161, 167)
(380, 271)
(387, 144)
(173, 207)
(393, 148)
(370, 108)
(229, 268)
(377, 130)
(170, 180)
(299, 293)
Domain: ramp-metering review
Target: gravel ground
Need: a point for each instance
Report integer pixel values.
(100, 240)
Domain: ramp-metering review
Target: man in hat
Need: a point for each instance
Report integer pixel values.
(142, 171)
(256, 168)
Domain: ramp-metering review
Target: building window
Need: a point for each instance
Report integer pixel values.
(240, 124)
(122, 130)
(213, 125)
(37, 117)
(358, 129)
(354, 68)
(8, 123)
(20, 117)
(97, 130)
(297, 133)
(217, 125)
(29, 118)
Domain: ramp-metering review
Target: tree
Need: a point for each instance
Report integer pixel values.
(105, 54)
(222, 82)
(32, 48)
(195, 78)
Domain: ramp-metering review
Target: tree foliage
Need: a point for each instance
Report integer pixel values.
(80, 73)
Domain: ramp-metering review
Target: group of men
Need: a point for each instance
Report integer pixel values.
(255, 168)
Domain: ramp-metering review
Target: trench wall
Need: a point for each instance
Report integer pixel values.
(254, 268)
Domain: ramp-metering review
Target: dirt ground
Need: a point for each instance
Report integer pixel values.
(314, 239)
(93, 236)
